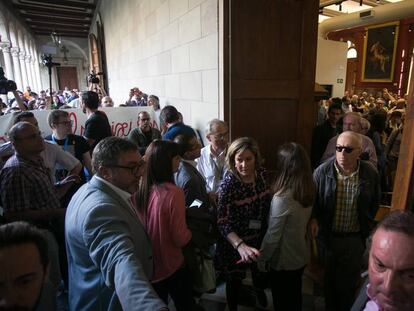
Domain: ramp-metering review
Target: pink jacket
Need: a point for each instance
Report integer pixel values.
(167, 229)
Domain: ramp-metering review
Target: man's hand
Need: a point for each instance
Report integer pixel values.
(63, 186)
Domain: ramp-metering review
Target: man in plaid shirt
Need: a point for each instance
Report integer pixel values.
(26, 187)
(348, 193)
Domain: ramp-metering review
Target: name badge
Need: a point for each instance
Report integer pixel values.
(254, 224)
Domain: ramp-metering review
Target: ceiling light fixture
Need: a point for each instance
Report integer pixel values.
(57, 40)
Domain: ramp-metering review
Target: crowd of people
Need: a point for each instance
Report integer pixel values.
(130, 223)
(66, 99)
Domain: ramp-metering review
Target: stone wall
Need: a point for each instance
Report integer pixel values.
(165, 47)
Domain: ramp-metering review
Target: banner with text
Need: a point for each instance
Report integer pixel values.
(122, 120)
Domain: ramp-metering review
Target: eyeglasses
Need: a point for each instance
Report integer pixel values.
(133, 169)
(67, 123)
(144, 119)
(347, 149)
(220, 135)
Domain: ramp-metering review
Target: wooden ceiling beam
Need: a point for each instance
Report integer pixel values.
(57, 3)
(49, 13)
(65, 34)
(43, 22)
(58, 26)
(55, 19)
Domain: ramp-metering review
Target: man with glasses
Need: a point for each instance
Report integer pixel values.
(144, 134)
(211, 163)
(109, 252)
(353, 121)
(347, 200)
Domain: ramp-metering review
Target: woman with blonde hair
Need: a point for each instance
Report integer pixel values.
(243, 203)
(285, 248)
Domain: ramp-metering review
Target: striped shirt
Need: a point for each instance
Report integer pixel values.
(346, 213)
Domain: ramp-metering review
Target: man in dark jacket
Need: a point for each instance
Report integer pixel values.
(348, 194)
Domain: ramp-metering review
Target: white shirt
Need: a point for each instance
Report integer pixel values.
(53, 156)
(212, 167)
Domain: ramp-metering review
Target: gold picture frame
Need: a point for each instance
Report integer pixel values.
(380, 47)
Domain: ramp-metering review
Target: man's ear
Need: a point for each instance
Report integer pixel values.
(104, 172)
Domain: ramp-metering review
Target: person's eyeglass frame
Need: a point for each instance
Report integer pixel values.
(344, 148)
(220, 136)
(67, 123)
(134, 170)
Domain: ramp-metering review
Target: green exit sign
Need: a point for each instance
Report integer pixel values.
(339, 80)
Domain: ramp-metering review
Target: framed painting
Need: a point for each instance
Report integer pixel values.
(380, 47)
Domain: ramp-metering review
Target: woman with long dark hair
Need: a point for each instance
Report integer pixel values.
(161, 207)
(285, 248)
(243, 204)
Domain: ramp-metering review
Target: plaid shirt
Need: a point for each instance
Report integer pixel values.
(25, 185)
(346, 213)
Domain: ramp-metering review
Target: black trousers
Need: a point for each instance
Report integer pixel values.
(286, 286)
(343, 269)
(178, 286)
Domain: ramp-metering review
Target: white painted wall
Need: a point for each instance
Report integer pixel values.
(165, 47)
(331, 65)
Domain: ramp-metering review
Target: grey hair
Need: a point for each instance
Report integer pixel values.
(211, 123)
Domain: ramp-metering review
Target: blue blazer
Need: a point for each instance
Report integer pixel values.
(109, 253)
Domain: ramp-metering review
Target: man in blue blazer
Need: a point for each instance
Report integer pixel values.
(109, 252)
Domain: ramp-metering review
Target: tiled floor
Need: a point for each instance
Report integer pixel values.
(312, 300)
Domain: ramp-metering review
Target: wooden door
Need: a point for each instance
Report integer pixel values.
(67, 76)
(269, 71)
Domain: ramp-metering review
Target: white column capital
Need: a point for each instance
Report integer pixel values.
(22, 55)
(28, 58)
(5, 47)
(15, 51)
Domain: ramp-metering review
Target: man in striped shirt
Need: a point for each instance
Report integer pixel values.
(346, 203)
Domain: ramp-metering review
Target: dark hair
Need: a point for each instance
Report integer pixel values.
(169, 114)
(378, 122)
(23, 115)
(335, 105)
(398, 221)
(240, 145)
(294, 173)
(336, 100)
(184, 142)
(158, 156)
(55, 115)
(20, 232)
(108, 151)
(90, 99)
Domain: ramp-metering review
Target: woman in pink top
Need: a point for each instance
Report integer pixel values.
(161, 208)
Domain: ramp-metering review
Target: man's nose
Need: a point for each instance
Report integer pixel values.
(390, 283)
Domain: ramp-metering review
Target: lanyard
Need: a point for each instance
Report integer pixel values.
(65, 145)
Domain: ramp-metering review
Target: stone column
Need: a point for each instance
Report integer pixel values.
(5, 47)
(25, 80)
(37, 73)
(16, 67)
(28, 62)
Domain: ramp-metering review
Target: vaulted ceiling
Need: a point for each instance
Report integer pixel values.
(69, 18)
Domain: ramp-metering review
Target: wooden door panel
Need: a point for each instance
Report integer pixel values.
(67, 76)
(271, 72)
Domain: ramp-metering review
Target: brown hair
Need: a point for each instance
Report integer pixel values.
(294, 173)
(158, 156)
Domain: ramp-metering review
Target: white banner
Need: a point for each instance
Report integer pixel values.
(122, 120)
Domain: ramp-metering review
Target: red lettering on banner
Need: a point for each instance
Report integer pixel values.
(74, 118)
(122, 129)
(3, 139)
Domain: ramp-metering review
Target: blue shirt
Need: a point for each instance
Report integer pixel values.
(178, 129)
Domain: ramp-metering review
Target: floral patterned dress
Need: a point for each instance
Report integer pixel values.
(243, 209)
